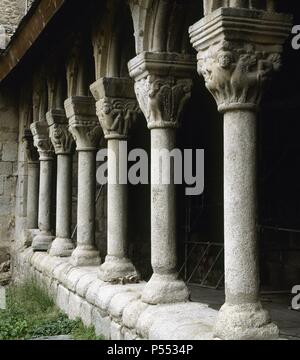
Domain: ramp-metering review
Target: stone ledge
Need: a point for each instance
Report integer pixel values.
(116, 311)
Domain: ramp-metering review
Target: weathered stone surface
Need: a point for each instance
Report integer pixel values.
(86, 313)
(132, 313)
(84, 283)
(116, 331)
(244, 322)
(119, 303)
(102, 324)
(61, 270)
(166, 313)
(93, 290)
(62, 299)
(128, 318)
(109, 291)
(74, 308)
(75, 275)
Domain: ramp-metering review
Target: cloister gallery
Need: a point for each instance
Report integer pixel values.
(153, 259)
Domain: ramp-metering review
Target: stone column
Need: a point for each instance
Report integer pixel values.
(117, 109)
(238, 50)
(85, 128)
(32, 189)
(40, 132)
(63, 142)
(163, 85)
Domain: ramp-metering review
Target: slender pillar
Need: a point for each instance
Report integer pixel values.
(117, 109)
(44, 238)
(86, 131)
(32, 189)
(236, 67)
(62, 141)
(163, 85)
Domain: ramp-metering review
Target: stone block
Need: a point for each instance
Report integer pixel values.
(165, 312)
(6, 168)
(62, 299)
(84, 283)
(115, 331)
(10, 152)
(93, 291)
(75, 303)
(101, 324)
(74, 276)
(129, 334)
(86, 313)
(119, 302)
(61, 271)
(132, 313)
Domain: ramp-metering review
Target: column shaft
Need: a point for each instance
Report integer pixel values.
(163, 206)
(117, 109)
(241, 270)
(46, 168)
(85, 129)
(117, 266)
(162, 96)
(64, 196)
(85, 252)
(86, 198)
(44, 238)
(33, 195)
(116, 207)
(62, 245)
(236, 69)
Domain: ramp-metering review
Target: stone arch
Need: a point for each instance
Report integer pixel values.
(79, 64)
(113, 39)
(162, 25)
(56, 83)
(39, 96)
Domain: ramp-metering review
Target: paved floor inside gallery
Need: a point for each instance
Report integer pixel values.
(279, 306)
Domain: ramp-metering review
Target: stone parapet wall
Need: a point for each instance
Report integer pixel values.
(115, 310)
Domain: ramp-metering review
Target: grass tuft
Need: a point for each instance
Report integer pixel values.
(31, 313)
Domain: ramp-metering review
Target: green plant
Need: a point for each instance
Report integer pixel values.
(31, 314)
(12, 326)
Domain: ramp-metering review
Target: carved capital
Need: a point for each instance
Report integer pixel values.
(163, 84)
(238, 51)
(42, 140)
(117, 106)
(60, 136)
(31, 152)
(83, 122)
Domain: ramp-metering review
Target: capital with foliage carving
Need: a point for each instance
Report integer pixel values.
(117, 106)
(83, 122)
(60, 136)
(42, 142)
(31, 151)
(238, 51)
(163, 84)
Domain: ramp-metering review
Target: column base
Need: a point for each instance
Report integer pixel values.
(42, 241)
(119, 270)
(165, 289)
(245, 322)
(85, 256)
(28, 236)
(61, 247)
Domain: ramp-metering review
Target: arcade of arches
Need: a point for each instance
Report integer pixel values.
(77, 77)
